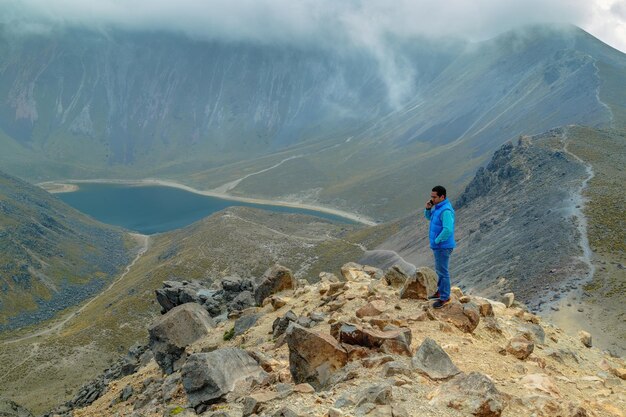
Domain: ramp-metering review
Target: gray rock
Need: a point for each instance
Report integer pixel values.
(243, 300)
(380, 394)
(471, 394)
(396, 368)
(172, 332)
(169, 386)
(281, 323)
(208, 377)
(11, 409)
(275, 279)
(245, 322)
(126, 393)
(432, 360)
(507, 299)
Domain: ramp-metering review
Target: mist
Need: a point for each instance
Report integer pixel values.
(370, 25)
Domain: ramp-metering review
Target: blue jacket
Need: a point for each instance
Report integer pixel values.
(441, 228)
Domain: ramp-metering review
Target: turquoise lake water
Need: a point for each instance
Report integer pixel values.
(154, 209)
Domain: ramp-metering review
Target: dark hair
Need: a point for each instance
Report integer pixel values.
(439, 190)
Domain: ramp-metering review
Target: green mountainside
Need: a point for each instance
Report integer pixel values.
(51, 256)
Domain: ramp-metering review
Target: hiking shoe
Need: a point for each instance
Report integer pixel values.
(435, 296)
(440, 303)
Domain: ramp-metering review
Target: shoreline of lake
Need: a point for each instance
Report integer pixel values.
(71, 185)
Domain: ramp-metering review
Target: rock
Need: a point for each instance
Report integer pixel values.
(256, 402)
(619, 372)
(373, 308)
(532, 332)
(585, 338)
(285, 412)
(396, 368)
(313, 357)
(175, 293)
(395, 277)
(335, 288)
(457, 292)
(126, 393)
(245, 322)
(275, 279)
(540, 405)
(485, 308)
(507, 299)
(170, 386)
(419, 286)
(373, 272)
(396, 341)
(242, 301)
(281, 323)
(334, 412)
(542, 383)
(380, 394)
(520, 347)
(431, 360)
(172, 332)
(278, 302)
(304, 388)
(471, 394)
(354, 272)
(10, 409)
(373, 361)
(463, 316)
(317, 316)
(328, 277)
(208, 377)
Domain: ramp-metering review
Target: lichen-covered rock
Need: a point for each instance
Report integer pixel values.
(354, 272)
(313, 357)
(178, 328)
(395, 277)
(208, 377)
(419, 286)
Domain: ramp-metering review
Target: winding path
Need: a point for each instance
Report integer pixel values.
(578, 205)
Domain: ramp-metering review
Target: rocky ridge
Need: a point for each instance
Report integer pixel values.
(356, 347)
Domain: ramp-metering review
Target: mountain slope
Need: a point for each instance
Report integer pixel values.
(525, 224)
(51, 256)
(236, 241)
(294, 123)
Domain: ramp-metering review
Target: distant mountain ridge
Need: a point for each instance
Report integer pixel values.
(133, 105)
(51, 256)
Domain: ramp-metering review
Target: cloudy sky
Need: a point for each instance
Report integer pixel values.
(319, 21)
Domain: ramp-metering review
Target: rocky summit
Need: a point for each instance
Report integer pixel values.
(350, 348)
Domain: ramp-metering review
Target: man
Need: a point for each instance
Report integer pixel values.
(440, 213)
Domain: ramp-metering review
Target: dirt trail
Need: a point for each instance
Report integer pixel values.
(144, 241)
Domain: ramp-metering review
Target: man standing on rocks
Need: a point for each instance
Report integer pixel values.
(441, 235)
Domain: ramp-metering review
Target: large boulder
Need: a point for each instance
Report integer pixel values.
(172, 332)
(397, 341)
(313, 357)
(275, 279)
(420, 285)
(463, 316)
(11, 409)
(208, 377)
(432, 360)
(471, 394)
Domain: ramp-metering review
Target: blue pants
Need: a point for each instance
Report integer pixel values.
(442, 259)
